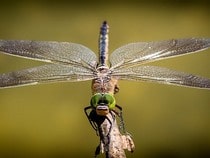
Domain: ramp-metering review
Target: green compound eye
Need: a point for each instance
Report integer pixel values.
(95, 99)
(103, 99)
(110, 100)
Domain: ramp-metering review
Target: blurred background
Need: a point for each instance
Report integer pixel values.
(48, 120)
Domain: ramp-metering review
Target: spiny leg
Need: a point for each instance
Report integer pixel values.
(122, 123)
(91, 117)
(128, 141)
(120, 115)
(96, 121)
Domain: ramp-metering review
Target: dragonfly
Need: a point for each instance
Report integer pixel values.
(72, 62)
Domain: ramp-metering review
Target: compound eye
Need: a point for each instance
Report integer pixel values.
(95, 100)
(110, 100)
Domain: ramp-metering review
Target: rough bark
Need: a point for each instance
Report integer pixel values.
(112, 141)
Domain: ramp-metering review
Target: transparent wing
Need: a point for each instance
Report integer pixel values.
(139, 53)
(53, 52)
(162, 75)
(45, 73)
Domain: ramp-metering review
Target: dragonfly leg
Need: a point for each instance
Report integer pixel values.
(104, 139)
(90, 116)
(120, 115)
(94, 119)
(126, 135)
(97, 151)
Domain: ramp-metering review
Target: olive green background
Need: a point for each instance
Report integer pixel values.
(48, 120)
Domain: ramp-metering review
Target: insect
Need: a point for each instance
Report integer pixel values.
(73, 62)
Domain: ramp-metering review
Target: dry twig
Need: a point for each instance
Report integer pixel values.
(112, 141)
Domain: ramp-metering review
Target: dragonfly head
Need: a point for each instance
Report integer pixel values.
(102, 103)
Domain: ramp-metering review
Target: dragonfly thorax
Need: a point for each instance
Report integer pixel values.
(103, 82)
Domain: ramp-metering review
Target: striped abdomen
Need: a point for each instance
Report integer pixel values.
(103, 44)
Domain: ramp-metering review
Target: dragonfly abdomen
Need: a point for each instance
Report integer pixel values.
(103, 44)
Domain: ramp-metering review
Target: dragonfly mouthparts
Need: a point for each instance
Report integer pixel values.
(102, 110)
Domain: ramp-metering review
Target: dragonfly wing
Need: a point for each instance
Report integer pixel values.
(53, 52)
(139, 53)
(162, 75)
(45, 73)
